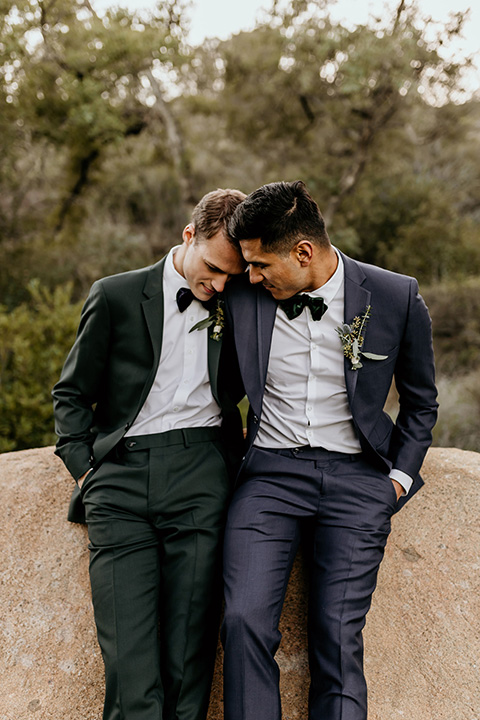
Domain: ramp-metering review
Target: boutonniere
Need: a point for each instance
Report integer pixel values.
(217, 319)
(352, 340)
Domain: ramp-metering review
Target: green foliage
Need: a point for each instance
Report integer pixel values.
(455, 312)
(77, 88)
(459, 415)
(112, 128)
(34, 341)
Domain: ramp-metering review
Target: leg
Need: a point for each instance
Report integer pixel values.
(192, 504)
(349, 539)
(261, 541)
(124, 572)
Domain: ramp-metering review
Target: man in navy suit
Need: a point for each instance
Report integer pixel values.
(319, 339)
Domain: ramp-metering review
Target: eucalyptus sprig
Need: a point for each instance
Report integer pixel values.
(217, 319)
(352, 340)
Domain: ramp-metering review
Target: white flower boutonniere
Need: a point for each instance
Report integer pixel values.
(217, 319)
(352, 340)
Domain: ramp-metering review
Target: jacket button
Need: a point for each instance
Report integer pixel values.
(255, 419)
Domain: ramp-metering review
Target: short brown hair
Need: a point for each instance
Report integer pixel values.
(214, 211)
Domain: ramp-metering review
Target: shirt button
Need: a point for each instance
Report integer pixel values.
(309, 408)
(175, 409)
(313, 346)
(191, 318)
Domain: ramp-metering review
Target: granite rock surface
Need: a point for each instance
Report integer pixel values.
(422, 639)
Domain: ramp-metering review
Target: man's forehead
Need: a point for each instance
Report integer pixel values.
(222, 255)
(252, 247)
(253, 251)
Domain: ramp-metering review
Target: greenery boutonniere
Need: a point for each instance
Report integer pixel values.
(217, 319)
(352, 340)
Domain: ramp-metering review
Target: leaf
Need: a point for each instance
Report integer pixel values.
(373, 356)
(355, 347)
(203, 324)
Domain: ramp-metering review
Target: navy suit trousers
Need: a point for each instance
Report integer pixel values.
(346, 506)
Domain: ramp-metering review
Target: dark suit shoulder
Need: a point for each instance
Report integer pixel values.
(237, 283)
(131, 279)
(376, 273)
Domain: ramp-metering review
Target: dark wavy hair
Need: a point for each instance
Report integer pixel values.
(281, 214)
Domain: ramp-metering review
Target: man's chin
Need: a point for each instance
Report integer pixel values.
(278, 294)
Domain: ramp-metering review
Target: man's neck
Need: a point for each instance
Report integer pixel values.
(323, 267)
(178, 257)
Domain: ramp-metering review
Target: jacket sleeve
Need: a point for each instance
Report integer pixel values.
(415, 382)
(78, 388)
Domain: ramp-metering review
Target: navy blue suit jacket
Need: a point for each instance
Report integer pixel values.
(399, 327)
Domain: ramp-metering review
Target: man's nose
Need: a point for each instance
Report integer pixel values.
(219, 283)
(255, 275)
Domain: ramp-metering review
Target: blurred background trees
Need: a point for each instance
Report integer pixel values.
(112, 127)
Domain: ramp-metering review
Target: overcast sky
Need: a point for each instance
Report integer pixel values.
(221, 18)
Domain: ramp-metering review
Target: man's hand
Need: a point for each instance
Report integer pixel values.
(82, 478)
(398, 488)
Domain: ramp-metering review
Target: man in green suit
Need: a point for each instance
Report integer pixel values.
(148, 428)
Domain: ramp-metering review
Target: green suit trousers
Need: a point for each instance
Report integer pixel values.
(155, 521)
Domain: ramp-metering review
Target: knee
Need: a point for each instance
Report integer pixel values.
(241, 624)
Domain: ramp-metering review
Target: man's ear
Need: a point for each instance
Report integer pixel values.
(188, 234)
(303, 252)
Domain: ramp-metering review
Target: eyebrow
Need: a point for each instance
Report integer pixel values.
(215, 268)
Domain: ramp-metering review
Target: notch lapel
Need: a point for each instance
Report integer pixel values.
(356, 302)
(253, 319)
(153, 313)
(214, 350)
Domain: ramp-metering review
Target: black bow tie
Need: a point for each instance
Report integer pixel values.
(185, 297)
(293, 306)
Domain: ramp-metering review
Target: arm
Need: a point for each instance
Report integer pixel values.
(415, 382)
(80, 383)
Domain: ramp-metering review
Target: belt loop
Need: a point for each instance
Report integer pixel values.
(185, 437)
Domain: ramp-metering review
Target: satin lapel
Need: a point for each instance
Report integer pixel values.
(153, 312)
(357, 300)
(214, 349)
(266, 310)
(253, 311)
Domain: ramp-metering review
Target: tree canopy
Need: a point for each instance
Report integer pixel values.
(112, 127)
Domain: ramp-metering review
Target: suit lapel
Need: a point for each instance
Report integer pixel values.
(266, 308)
(214, 350)
(253, 312)
(153, 312)
(357, 299)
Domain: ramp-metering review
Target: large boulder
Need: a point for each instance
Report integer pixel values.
(422, 644)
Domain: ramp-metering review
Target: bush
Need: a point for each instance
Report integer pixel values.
(35, 338)
(459, 413)
(455, 311)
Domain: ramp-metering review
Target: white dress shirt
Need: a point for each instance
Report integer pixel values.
(305, 401)
(181, 396)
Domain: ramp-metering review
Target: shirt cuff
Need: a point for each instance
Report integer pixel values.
(405, 480)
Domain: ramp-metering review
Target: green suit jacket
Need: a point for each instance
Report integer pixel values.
(111, 368)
